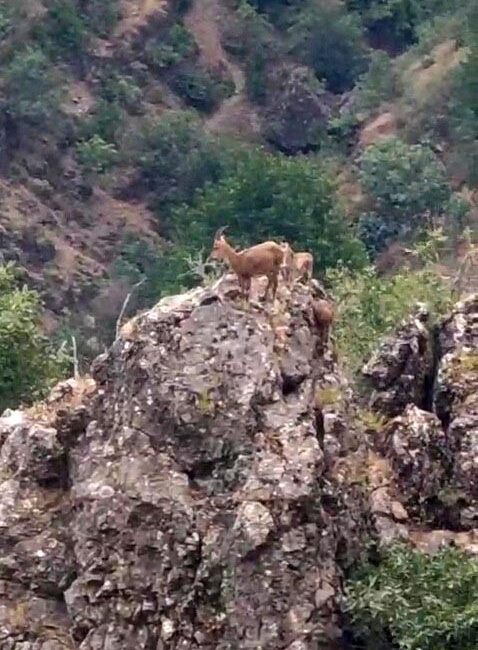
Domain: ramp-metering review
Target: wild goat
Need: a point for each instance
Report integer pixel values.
(262, 259)
(323, 314)
(296, 266)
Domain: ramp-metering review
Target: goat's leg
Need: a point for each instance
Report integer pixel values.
(274, 279)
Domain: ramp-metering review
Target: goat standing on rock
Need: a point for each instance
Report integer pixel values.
(296, 265)
(262, 259)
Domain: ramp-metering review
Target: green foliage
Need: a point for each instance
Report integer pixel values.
(331, 41)
(32, 91)
(250, 36)
(377, 84)
(370, 306)
(28, 365)
(175, 45)
(407, 185)
(66, 27)
(394, 23)
(176, 157)
(272, 196)
(5, 22)
(95, 155)
(164, 272)
(464, 100)
(200, 89)
(101, 15)
(418, 601)
(121, 89)
(106, 122)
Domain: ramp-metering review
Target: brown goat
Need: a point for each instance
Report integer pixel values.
(323, 313)
(262, 259)
(296, 266)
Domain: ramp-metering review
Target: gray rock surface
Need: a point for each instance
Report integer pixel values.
(211, 483)
(399, 369)
(195, 501)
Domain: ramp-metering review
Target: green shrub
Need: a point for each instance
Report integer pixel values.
(5, 22)
(66, 27)
(106, 122)
(328, 39)
(175, 158)
(199, 88)
(174, 46)
(414, 601)
(95, 155)
(101, 16)
(32, 91)
(407, 186)
(370, 306)
(377, 84)
(268, 196)
(28, 364)
(122, 90)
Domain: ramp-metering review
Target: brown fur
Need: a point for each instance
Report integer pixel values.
(262, 259)
(296, 266)
(323, 313)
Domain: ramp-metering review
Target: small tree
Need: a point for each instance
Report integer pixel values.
(28, 364)
(331, 41)
(32, 91)
(407, 186)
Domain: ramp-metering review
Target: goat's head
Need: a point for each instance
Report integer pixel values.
(219, 245)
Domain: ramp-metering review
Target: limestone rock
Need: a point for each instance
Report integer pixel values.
(400, 368)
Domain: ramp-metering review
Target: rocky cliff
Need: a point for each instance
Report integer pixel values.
(213, 481)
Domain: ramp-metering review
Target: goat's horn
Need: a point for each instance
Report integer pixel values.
(220, 232)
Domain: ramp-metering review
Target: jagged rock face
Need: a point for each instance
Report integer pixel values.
(434, 454)
(299, 111)
(205, 505)
(416, 445)
(399, 370)
(456, 403)
(205, 516)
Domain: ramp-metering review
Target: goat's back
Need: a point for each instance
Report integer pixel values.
(263, 258)
(323, 313)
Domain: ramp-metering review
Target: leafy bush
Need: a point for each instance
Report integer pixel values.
(4, 22)
(416, 601)
(200, 88)
(269, 196)
(407, 186)
(175, 45)
(95, 155)
(377, 84)
(328, 39)
(106, 122)
(28, 364)
(122, 90)
(394, 23)
(370, 306)
(66, 27)
(101, 15)
(163, 272)
(32, 91)
(176, 157)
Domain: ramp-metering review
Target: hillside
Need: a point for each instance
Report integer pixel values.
(115, 114)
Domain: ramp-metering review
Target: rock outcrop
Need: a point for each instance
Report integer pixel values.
(403, 363)
(211, 483)
(202, 498)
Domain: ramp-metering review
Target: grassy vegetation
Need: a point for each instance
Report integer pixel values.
(413, 601)
(28, 363)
